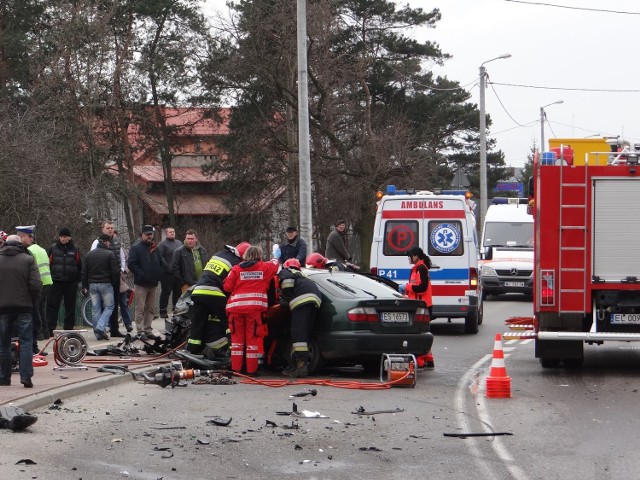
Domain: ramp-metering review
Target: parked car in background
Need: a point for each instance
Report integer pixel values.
(359, 320)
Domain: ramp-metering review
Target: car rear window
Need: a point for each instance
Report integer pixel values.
(352, 285)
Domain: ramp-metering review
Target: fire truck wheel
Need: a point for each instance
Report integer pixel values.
(552, 362)
(471, 322)
(573, 363)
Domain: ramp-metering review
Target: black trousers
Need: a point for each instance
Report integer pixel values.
(168, 286)
(302, 320)
(40, 313)
(209, 321)
(59, 291)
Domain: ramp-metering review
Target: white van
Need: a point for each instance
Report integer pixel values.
(507, 248)
(444, 226)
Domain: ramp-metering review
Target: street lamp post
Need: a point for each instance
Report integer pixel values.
(483, 140)
(543, 116)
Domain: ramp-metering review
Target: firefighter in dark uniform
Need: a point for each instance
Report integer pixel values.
(303, 298)
(208, 332)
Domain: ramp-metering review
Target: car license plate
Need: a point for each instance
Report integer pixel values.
(514, 284)
(395, 317)
(625, 318)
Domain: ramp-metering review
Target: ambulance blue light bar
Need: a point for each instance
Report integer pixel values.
(391, 190)
(509, 200)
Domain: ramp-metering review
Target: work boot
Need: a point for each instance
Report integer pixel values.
(300, 369)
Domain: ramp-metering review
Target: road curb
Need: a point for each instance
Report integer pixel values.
(38, 400)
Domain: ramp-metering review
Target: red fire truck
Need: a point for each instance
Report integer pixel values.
(587, 257)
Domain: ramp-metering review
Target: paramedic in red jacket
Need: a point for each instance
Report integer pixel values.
(247, 284)
(419, 288)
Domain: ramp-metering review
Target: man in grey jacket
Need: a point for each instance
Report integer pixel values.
(20, 287)
(337, 244)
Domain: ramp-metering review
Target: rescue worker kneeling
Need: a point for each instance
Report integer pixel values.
(419, 288)
(248, 283)
(303, 298)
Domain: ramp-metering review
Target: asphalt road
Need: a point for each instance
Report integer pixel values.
(564, 423)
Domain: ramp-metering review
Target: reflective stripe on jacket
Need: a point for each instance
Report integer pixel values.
(42, 263)
(214, 273)
(415, 280)
(248, 283)
(298, 290)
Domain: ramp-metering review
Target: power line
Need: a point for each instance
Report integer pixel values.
(567, 88)
(586, 9)
(504, 108)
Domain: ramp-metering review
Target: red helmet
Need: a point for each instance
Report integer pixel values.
(3, 235)
(241, 248)
(292, 263)
(315, 260)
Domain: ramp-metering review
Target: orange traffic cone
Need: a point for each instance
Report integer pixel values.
(498, 383)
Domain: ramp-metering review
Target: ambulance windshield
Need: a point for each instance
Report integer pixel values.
(508, 234)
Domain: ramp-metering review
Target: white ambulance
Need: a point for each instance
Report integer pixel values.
(444, 226)
(506, 248)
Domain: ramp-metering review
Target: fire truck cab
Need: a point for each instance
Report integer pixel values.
(444, 226)
(586, 262)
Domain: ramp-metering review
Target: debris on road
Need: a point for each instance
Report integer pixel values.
(313, 392)
(481, 434)
(362, 411)
(26, 461)
(220, 422)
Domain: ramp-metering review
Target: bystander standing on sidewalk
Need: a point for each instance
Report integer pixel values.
(108, 228)
(27, 237)
(65, 263)
(169, 285)
(146, 264)
(188, 261)
(100, 272)
(20, 287)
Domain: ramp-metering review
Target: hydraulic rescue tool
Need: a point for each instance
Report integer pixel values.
(173, 374)
(399, 368)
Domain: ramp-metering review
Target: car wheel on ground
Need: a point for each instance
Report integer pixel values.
(471, 322)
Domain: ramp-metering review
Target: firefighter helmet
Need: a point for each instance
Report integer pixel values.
(315, 260)
(241, 248)
(292, 263)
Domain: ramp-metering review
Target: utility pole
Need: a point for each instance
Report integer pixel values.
(483, 140)
(304, 156)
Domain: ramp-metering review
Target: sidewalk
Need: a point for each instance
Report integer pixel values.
(51, 384)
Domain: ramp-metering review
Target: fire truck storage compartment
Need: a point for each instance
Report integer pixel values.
(616, 229)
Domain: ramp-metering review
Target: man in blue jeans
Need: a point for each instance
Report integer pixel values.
(100, 272)
(20, 287)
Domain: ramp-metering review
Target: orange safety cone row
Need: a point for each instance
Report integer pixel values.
(498, 382)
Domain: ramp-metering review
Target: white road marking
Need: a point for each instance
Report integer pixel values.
(483, 415)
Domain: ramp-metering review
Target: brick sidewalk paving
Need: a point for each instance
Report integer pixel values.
(51, 383)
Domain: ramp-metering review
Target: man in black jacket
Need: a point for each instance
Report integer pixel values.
(20, 287)
(147, 265)
(293, 247)
(99, 273)
(168, 284)
(66, 267)
(189, 261)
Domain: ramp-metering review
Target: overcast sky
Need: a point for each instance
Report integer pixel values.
(562, 48)
(549, 47)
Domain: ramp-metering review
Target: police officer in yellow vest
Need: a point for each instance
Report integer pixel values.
(27, 237)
